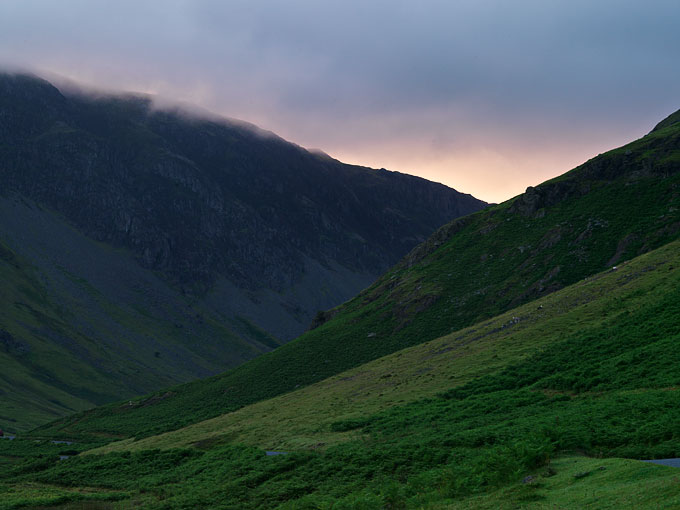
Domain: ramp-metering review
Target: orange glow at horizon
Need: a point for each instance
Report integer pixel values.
(491, 175)
(488, 160)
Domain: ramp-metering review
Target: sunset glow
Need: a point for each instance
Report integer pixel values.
(485, 98)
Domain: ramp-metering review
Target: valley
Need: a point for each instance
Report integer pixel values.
(524, 355)
(148, 247)
(460, 419)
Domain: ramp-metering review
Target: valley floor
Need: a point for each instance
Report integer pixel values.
(567, 483)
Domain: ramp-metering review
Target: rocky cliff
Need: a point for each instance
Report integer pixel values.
(162, 245)
(197, 199)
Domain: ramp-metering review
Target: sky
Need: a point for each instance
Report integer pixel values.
(485, 96)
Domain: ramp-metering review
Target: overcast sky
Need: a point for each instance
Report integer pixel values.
(486, 96)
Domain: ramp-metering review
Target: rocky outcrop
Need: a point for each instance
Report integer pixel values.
(197, 199)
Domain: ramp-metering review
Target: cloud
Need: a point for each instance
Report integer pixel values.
(466, 92)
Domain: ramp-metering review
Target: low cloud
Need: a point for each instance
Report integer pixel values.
(486, 96)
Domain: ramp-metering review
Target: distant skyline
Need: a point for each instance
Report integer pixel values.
(487, 97)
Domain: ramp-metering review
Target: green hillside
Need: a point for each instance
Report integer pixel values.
(26, 390)
(68, 343)
(458, 422)
(307, 417)
(608, 210)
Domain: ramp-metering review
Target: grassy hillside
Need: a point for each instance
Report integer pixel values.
(458, 422)
(26, 389)
(78, 327)
(571, 483)
(608, 484)
(614, 207)
(607, 302)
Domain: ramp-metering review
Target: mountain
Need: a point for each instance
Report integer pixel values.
(533, 408)
(147, 246)
(616, 206)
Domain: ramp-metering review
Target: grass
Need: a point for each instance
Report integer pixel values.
(43, 496)
(580, 483)
(607, 484)
(67, 345)
(34, 387)
(19, 456)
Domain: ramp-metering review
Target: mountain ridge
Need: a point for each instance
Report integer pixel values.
(165, 243)
(151, 138)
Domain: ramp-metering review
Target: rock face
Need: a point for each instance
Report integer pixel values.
(198, 199)
(147, 247)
